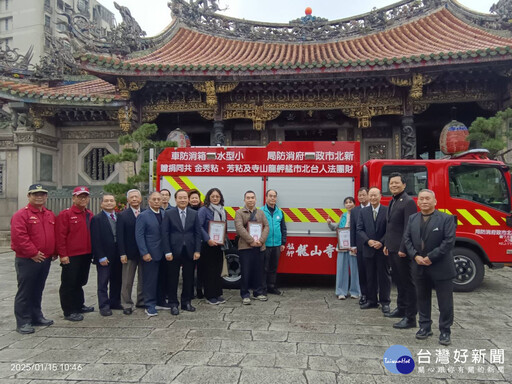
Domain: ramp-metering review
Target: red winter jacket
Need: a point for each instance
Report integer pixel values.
(33, 230)
(73, 232)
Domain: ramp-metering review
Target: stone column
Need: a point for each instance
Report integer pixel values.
(408, 138)
(218, 137)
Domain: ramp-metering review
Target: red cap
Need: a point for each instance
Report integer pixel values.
(80, 190)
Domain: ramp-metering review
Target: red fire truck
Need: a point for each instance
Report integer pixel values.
(313, 178)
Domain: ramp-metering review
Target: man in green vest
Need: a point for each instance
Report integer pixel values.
(275, 243)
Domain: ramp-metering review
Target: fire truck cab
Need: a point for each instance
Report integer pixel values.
(470, 186)
(313, 178)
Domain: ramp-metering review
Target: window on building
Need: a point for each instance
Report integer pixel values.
(1, 179)
(7, 23)
(60, 4)
(47, 3)
(6, 5)
(415, 178)
(83, 5)
(47, 21)
(45, 167)
(94, 166)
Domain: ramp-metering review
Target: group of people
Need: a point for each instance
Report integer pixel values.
(416, 245)
(155, 243)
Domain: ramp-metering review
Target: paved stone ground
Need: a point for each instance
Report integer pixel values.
(304, 336)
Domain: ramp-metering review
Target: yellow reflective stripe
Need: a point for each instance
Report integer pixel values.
(469, 217)
(316, 215)
(287, 218)
(172, 182)
(449, 213)
(299, 214)
(191, 185)
(488, 217)
(230, 211)
(332, 215)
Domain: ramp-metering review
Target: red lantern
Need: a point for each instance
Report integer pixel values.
(453, 138)
(309, 11)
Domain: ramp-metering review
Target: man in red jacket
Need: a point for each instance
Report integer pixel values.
(74, 249)
(33, 240)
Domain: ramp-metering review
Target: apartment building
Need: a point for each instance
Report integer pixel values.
(34, 22)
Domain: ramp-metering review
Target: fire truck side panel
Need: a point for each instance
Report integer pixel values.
(308, 202)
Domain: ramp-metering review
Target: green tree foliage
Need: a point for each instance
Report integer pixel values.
(492, 133)
(135, 145)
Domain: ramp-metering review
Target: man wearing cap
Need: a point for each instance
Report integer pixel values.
(33, 240)
(74, 249)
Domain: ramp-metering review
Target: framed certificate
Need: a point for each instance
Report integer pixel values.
(343, 238)
(255, 230)
(217, 231)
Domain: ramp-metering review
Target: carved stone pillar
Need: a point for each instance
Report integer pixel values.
(408, 138)
(218, 133)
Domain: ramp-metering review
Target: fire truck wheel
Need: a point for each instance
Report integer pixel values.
(469, 268)
(232, 280)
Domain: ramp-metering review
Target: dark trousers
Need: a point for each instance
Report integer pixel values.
(149, 282)
(444, 292)
(73, 278)
(251, 265)
(31, 280)
(109, 284)
(173, 277)
(377, 279)
(210, 263)
(401, 270)
(270, 263)
(161, 292)
(363, 285)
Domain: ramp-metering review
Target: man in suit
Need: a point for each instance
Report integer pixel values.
(357, 243)
(129, 252)
(400, 208)
(105, 256)
(429, 240)
(148, 235)
(371, 229)
(181, 240)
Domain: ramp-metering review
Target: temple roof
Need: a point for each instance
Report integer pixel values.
(90, 93)
(437, 38)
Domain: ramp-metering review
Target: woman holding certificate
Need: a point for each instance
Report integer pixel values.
(212, 218)
(347, 258)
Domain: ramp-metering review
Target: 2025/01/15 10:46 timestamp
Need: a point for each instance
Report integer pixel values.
(23, 367)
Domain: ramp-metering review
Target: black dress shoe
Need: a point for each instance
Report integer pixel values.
(444, 338)
(385, 308)
(405, 323)
(175, 311)
(362, 300)
(42, 321)
(106, 312)
(25, 329)
(274, 291)
(127, 311)
(86, 309)
(74, 317)
(369, 305)
(423, 333)
(395, 313)
(188, 307)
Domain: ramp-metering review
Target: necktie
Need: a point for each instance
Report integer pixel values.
(183, 218)
(374, 215)
(137, 213)
(112, 217)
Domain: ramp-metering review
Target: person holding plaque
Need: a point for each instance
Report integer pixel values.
(212, 218)
(252, 228)
(346, 264)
